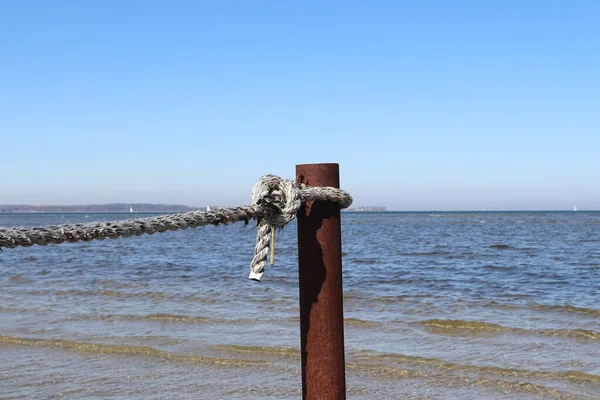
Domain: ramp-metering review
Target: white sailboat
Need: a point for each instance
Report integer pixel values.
(207, 208)
(575, 208)
(130, 209)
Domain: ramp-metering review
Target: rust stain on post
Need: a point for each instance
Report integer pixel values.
(320, 273)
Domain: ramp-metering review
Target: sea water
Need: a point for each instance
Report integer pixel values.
(437, 306)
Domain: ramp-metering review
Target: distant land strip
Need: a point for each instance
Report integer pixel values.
(366, 208)
(128, 207)
(114, 207)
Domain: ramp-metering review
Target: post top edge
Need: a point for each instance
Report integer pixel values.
(314, 164)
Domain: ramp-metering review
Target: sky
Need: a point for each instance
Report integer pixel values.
(426, 105)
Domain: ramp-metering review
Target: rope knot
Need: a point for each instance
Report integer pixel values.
(278, 200)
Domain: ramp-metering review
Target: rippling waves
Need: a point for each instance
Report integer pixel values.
(443, 305)
(138, 351)
(475, 327)
(438, 364)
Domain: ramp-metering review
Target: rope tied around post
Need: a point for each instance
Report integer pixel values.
(275, 202)
(279, 200)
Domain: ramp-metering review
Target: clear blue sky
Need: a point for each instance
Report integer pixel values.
(445, 105)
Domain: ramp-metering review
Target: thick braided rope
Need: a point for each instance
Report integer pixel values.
(280, 199)
(275, 202)
(71, 233)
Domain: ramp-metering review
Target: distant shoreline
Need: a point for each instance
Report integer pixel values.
(98, 208)
(93, 212)
(125, 208)
(344, 211)
(367, 209)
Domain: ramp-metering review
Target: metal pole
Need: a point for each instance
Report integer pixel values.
(320, 273)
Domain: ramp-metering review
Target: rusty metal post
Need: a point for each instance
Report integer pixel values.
(320, 273)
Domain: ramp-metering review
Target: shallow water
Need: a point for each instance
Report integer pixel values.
(437, 305)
